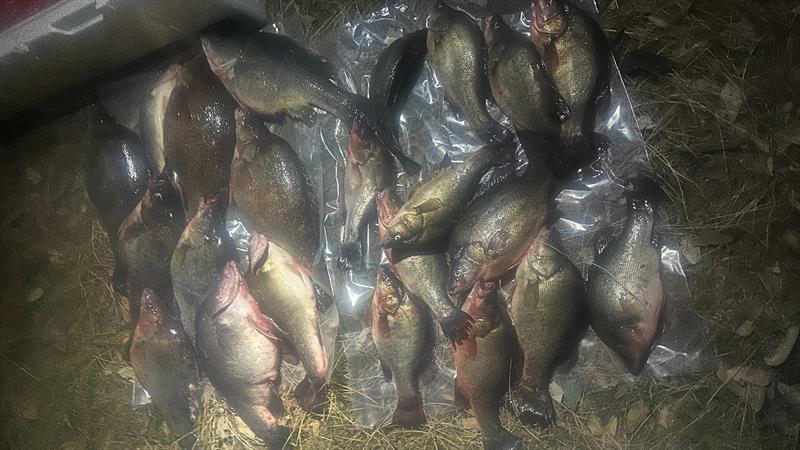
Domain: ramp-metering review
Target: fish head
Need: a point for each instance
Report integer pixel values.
(465, 265)
(550, 17)
(222, 54)
(161, 203)
(403, 229)
(389, 293)
(494, 30)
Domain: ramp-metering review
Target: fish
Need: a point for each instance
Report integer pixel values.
(521, 84)
(396, 71)
(423, 275)
(369, 168)
(427, 218)
(497, 228)
(271, 191)
(116, 176)
(277, 77)
(625, 292)
(576, 53)
(284, 291)
(164, 362)
(147, 238)
(456, 52)
(483, 366)
(196, 265)
(547, 309)
(199, 133)
(403, 335)
(152, 115)
(239, 350)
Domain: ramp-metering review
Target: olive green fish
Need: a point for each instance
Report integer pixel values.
(428, 216)
(271, 191)
(165, 365)
(547, 309)
(424, 275)
(625, 292)
(521, 85)
(403, 334)
(285, 293)
(494, 232)
(456, 51)
(483, 365)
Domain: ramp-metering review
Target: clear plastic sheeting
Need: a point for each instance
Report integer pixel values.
(429, 130)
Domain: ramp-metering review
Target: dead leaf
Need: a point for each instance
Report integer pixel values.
(612, 426)
(745, 375)
(658, 21)
(745, 329)
(667, 415)
(712, 238)
(636, 416)
(782, 351)
(470, 423)
(35, 295)
(732, 99)
(556, 392)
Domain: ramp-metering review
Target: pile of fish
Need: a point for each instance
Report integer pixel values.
(482, 261)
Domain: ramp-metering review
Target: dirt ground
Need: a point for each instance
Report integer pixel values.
(722, 129)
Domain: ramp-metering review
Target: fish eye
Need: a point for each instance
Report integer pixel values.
(495, 24)
(158, 196)
(397, 237)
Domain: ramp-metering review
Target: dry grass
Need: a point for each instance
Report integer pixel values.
(722, 140)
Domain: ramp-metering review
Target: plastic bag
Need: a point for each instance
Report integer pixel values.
(429, 130)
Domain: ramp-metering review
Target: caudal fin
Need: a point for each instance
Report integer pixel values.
(311, 395)
(504, 440)
(532, 408)
(409, 413)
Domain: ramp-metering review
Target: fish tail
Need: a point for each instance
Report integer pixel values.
(643, 189)
(504, 440)
(369, 114)
(311, 395)
(532, 407)
(409, 413)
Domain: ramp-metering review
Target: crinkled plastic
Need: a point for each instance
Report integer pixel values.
(429, 130)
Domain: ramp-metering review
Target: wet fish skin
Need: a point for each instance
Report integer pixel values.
(284, 291)
(147, 239)
(483, 366)
(369, 168)
(547, 308)
(497, 228)
(403, 334)
(239, 350)
(576, 53)
(428, 216)
(423, 275)
(153, 114)
(625, 292)
(277, 77)
(199, 133)
(521, 84)
(456, 51)
(271, 190)
(165, 364)
(394, 76)
(196, 265)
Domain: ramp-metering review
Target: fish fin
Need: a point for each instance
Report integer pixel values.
(503, 440)
(457, 325)
(119, 279)
(460, 400)
(278, 438)
(409, 413)
(444, 164)
(302, 114)
(532, 407)
(324, 300)
(470, 348)
(428, 206)
(386, 371)
(311, 395)
(267, 328)
(258, 250)
(496, 243)
(383, 326)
